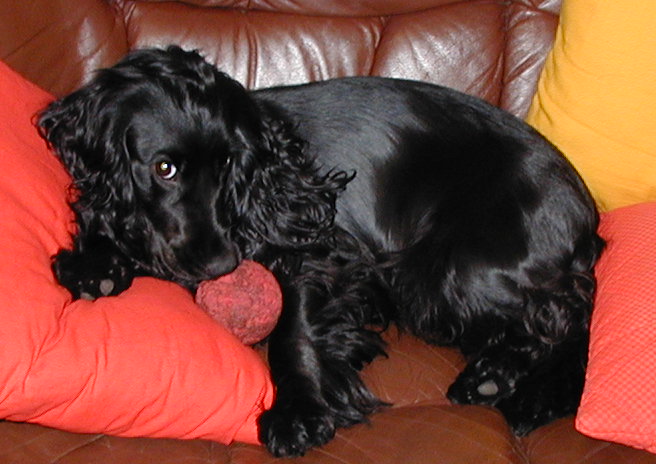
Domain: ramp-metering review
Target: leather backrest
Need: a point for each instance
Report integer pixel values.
(492, 49)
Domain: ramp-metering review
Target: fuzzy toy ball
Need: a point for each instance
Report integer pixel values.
(247, 301)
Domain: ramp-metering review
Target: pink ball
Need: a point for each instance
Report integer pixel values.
(247, 301)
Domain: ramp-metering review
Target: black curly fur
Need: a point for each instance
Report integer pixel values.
(372, 200)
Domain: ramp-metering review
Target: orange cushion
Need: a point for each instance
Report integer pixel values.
(146, 363)
(619, 400)
(596, 97)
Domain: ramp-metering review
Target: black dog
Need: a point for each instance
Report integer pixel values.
(372, 200)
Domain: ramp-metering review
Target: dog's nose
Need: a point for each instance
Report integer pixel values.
(223, 264)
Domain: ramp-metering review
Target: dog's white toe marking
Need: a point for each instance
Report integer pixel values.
(488, 388)
(106, 286)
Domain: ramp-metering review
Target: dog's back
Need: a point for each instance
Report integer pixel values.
(418, 148)
(486, 233)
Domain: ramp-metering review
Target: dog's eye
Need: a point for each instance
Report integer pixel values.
(166, 170)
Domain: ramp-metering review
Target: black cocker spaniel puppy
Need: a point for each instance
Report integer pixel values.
(372, 200)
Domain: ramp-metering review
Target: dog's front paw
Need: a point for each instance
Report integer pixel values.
(91, 276)
(291, 430)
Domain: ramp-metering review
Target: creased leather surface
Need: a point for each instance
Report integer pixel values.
(493, 49)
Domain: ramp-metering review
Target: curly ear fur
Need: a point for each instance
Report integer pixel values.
(278, 195)
(90, 141)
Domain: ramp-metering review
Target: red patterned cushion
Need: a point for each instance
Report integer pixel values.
(619, 401)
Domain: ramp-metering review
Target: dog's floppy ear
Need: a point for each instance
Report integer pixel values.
(88, 135)
(276, 191)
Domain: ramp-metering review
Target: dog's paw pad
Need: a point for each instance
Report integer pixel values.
(472, 387)
(106, 286)
(87, 296)
(488, 388)
(93, 289)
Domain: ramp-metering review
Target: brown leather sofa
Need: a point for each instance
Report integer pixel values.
(490, 48)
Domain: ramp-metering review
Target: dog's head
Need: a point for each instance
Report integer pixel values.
(150, 143)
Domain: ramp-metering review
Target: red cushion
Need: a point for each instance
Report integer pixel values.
(619, 401)
(146, 363)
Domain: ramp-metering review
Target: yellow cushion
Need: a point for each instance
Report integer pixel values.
(596, 97)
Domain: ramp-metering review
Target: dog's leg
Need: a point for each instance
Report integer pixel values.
(93, 269)
(526, 346)
(550, 391)
(530, 383)
(316, 352)
(300, 417)
(534, 371)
